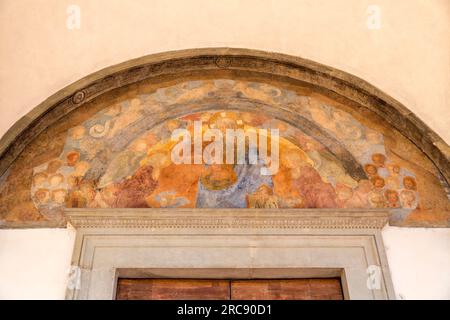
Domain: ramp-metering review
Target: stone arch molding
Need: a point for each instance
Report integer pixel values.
(352, 94)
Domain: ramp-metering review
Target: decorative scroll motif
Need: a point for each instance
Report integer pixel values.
(78, 97)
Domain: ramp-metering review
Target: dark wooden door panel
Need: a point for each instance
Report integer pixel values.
(296, 289)
(196, 289)
(172, 289)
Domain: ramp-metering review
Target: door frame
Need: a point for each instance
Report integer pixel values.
(229, 243)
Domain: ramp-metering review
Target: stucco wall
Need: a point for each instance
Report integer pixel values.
(408, 58)
(419, 260)
(34, 264)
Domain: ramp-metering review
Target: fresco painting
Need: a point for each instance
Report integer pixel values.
(120, 158)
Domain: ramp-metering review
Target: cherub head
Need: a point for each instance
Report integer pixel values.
(39, 178)
(72, 158)
(42, 196)
(371, 170)
(59, 196)
(409, 183)
(56, 179)
(378, 182)
(377, 199)
(394, 169)
(392, 198)
(379, 159)
(408, 199)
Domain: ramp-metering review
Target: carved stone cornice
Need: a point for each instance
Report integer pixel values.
(227, 218)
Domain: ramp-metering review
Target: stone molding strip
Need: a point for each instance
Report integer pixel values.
(227, 218)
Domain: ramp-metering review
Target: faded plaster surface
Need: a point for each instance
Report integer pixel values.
(408, 57)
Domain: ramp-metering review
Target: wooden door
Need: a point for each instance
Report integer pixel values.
(211, 289)
(172, 289)
(287, 289)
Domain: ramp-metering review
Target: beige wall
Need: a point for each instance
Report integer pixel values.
(419, 260)
(408, 58)
(34, 264)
